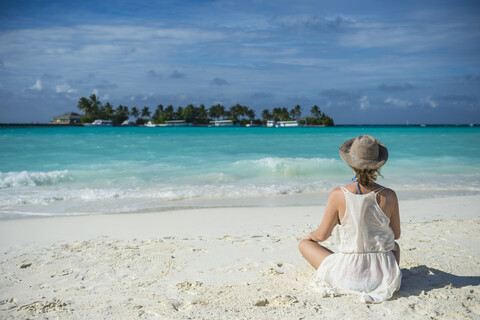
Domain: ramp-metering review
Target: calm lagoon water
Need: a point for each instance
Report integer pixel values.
(64, 171)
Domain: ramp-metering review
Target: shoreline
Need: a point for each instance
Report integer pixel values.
(293, 200)
(227, 263)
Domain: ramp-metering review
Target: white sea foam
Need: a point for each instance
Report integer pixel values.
(165, 193)
(33, 178)
(290, 167)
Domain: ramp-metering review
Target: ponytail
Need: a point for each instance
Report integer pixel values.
(367, 177)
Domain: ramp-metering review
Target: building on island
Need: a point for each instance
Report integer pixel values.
(67, 118)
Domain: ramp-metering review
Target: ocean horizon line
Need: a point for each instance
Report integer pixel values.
(308, 126)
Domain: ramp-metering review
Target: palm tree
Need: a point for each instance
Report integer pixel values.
(120, 115)
(84, 105)
(146, 112)
(108, 110)
(135, 112)
(157, 115)
(95, 102)
(202, 114)
(236, 111)
(315, 112)
(250, 113)
(266, 115)
(168, 112)
(217, 111)
(277, 113)
(189, 113)
(178, 113)
(212, 112)
(245, 111)
(296, 112)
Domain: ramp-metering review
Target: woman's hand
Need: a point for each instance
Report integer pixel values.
(309, 237)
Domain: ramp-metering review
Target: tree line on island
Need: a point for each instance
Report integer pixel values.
(94, 109)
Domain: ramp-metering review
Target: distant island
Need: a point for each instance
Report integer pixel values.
(242, 115)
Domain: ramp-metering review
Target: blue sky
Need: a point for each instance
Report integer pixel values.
(362, 62)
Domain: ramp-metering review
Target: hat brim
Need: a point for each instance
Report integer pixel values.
(363, 164)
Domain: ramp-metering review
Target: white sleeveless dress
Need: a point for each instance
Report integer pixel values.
(365, 263)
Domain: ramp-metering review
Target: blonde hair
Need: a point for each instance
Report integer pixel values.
(367, 177)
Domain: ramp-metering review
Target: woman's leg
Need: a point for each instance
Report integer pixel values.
(313, 252)
(396, 252)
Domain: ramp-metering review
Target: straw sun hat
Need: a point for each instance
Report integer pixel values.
(364, 152)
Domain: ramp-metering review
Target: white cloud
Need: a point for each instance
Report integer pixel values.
(398, 102)
(95, 92)
(399, 36)
(64, 88)
(147, 96)
(364, 102)
(429, 102)
(37, 86)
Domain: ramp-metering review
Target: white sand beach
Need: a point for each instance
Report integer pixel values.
(233, 263)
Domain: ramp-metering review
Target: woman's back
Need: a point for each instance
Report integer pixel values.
(364, 226)
(385, 199)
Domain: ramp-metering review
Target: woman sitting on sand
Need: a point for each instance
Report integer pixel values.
(369, 222)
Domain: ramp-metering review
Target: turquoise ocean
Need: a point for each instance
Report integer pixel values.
(56, 171)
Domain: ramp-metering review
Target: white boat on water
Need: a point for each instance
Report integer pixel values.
(128, 123)
(292, 123)
(99, 123)
(150, 124)
(221, 123)
(270, 123)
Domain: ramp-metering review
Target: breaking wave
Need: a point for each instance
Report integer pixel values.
(291, 167)
(33, 178)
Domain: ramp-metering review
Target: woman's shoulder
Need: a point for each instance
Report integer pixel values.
(337, 191)
(336, 194)
(388, 193)
(385, 190)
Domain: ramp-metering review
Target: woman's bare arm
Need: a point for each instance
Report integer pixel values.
(330, 217)
(394, 213)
